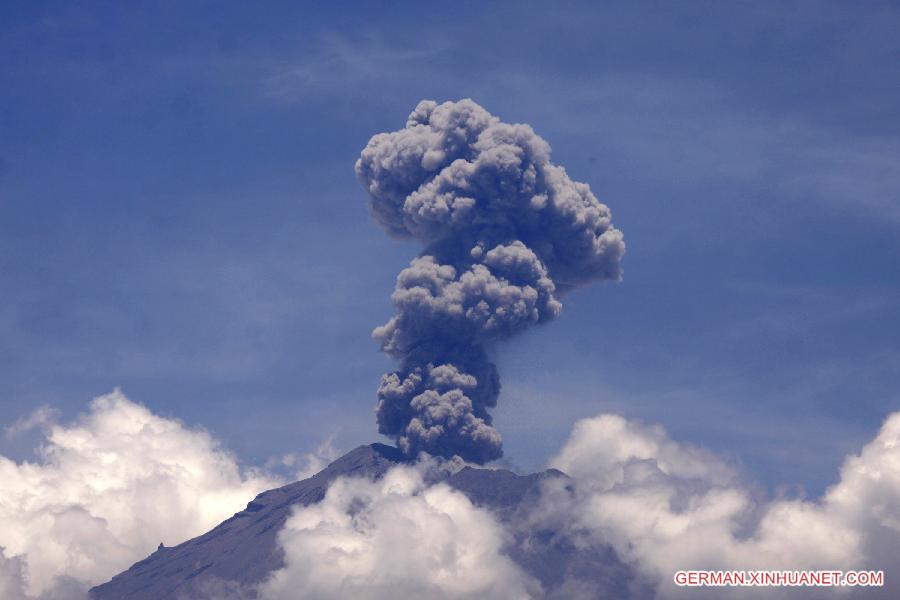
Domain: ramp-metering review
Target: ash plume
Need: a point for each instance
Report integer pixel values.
(505, 233)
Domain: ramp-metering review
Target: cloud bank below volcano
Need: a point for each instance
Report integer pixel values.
(105, 490)
(117, 481)
(662, 505)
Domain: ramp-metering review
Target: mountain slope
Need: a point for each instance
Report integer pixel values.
(242, 549)
(231, 559)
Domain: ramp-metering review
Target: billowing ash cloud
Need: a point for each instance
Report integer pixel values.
(505, 232)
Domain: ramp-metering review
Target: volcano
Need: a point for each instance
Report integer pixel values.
(232, 559)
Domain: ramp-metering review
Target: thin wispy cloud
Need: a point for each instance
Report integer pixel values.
(336, 63)
(41, 418)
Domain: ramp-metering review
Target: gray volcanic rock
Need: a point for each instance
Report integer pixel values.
(564, 570)
(241, 551)
(228, 562)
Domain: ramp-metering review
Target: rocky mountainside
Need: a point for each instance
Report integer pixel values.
(229, 561)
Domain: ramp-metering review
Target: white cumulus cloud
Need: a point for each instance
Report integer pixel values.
(108, 487)
(666, 506)
(105, 490)
(395, 538)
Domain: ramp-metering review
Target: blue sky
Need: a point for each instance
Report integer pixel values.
(179, 215)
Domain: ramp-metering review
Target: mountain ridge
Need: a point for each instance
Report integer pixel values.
(233, 558)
